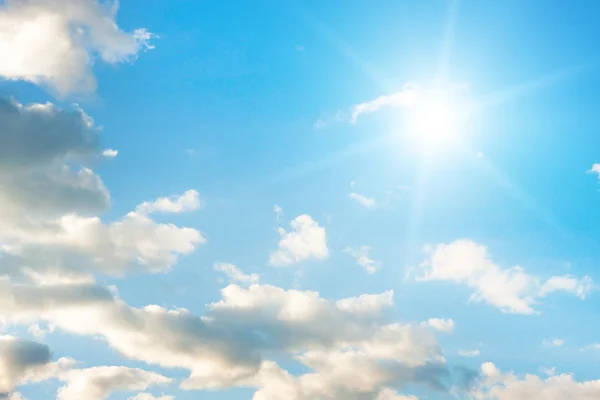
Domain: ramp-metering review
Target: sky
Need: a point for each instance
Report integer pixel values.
(299, 200)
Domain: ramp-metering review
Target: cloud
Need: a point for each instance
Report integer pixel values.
(56, 42)
(189, 201)
(148, 396)
(235, 274)
(595, 169)
(74, 244)
(18, 359)
(361, 254)
(98, 383)
(440, 324)
(367, 303)
(403, 98)
(364, 201)
(278, 212)
(592, 347)
(499, 386)
(299, 47)
(306, 240)
(553, 342)
(110, 153)
(38, 134)
(227, 346)
(469, 353)
(510, 289)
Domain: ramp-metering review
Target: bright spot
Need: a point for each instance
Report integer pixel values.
(434, 120)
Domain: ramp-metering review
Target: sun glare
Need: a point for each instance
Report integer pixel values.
(434, 120)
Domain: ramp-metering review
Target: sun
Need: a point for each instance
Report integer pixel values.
(434, 120)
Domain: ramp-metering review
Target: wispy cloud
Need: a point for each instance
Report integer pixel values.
(361, 254)
(553, 342)
(363, 200)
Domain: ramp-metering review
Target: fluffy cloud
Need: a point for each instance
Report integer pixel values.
(361, 254)
(55, 42)
(439, 324)
(19, 358)
(188, 201)
(98, 383)
(363, 200)
(84, 244)
(499, 386)
(110, 153)
(306, 240)
(510, 289)
(37, 134)
(228, 346)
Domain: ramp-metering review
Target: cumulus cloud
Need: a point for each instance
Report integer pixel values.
(500, 386)
(510, 289)
(73, 243)
(188, 201)
(55, 42)
(232, 343)
(440, 324)
(361, 254)
(363, 200)
(37, 134)
(306, 240)
(18, 359)
(97, 383)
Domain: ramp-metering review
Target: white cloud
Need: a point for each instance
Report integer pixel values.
(278, 211)
(299, 47)
(110, 153)
(440, 324)
(469, 353)
(149, 396)
(364, 201)
(306, 240)
(403, 98)
(553, 342)
(361, 254)
(18, 359)
(595, 169)
(188, 201)
(226, 347)
(367, 303)
(580, 287)
(235, 274)
(97, 383)
(55, 42)
(510, 289)
(593, 347)
(499, 386)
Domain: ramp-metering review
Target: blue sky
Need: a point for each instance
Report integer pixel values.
(390, 201)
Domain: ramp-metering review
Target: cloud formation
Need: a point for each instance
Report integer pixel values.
(56, 42)
(361, 255)
(306, 240)
(510, 289)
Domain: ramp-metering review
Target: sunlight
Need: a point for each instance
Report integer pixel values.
(434, 120)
